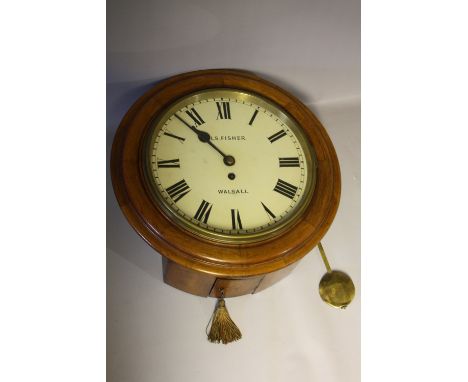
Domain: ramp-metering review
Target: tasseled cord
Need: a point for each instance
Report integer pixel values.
(223, 329)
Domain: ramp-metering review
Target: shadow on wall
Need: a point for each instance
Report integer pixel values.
(120, 96)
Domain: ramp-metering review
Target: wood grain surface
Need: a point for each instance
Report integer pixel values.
(188, 254)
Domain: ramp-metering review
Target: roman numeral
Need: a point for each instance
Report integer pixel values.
(235, 219)
(268, 211)
(203, 212)
(178, 190)
(224, 110)
(253, 117)
(170, 163)
(276, 136)
(289, 162)
(286, 189)
(174, 136)
(193, 114)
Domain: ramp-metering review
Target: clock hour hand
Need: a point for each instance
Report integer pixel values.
(204, 137)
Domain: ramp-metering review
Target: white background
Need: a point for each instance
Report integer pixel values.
(414, 205)
(157, 333)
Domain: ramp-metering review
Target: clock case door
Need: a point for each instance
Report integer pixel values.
(203, 284)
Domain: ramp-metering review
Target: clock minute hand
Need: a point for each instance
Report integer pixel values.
(204, 137)
(194, 129)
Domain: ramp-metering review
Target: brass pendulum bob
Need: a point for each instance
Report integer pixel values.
(336, 288)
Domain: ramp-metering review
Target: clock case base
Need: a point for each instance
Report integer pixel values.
(206, 285)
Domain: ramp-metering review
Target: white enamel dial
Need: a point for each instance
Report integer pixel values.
(230, 165)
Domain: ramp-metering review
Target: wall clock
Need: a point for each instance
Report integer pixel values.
(229, 177)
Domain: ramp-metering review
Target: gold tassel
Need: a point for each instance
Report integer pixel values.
(223, 329)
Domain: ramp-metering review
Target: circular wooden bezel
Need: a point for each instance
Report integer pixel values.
(197, 253)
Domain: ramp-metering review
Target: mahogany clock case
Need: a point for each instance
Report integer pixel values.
(196, 264)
